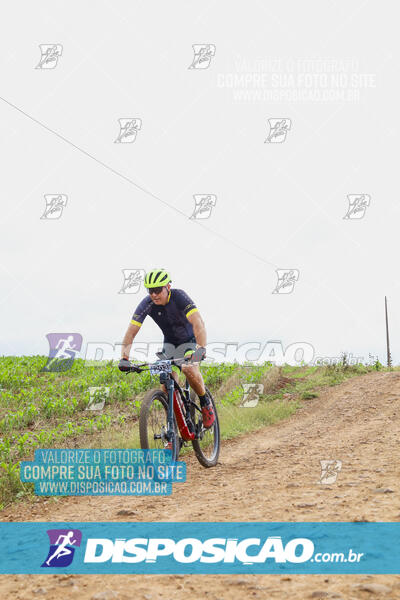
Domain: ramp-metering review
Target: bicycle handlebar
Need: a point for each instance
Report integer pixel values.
(146, 366)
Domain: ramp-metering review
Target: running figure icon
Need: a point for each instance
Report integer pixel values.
(63, 544)
(63, 349)
(62, 549)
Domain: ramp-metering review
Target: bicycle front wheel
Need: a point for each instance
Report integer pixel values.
(153, 424)
(207, 445)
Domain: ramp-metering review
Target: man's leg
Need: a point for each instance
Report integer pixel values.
(195, 379)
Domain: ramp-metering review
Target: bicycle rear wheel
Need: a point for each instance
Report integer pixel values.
(153, 424)
(207, 446)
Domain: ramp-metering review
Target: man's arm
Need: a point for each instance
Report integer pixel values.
(128, 339)
(142, 310)
(199, 329)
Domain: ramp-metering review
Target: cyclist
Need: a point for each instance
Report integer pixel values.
(183, 329)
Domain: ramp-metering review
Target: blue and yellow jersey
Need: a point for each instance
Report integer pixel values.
(171, 318)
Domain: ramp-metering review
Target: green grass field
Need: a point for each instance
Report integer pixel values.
(50, 410)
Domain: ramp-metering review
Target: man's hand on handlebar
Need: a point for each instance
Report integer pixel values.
(124, 365)
(198, 355)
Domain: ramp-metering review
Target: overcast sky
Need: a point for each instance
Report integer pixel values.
(326, 71)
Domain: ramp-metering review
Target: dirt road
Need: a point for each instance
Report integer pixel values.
(271, 475)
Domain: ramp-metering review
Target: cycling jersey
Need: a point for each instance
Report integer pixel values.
(171, 318)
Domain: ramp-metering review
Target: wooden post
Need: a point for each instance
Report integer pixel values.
(389, 358)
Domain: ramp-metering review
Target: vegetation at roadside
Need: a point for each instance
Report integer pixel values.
(52, 410)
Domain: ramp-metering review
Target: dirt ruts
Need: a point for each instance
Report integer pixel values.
(270, 475)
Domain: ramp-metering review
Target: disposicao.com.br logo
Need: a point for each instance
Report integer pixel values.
(211, 551)
(199, 547)
(187, 550)
(190, 550)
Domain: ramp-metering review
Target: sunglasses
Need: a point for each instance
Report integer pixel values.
(156, 290)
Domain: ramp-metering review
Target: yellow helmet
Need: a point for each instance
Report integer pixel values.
(156, 278)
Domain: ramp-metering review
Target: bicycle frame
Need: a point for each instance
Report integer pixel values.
(171, 385)
(185, 391)
(183, 423)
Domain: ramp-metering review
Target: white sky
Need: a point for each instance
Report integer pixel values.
(279, 205)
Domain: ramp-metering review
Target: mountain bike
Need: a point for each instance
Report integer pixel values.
(173, 419)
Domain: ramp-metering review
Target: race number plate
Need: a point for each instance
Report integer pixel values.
(161, 367)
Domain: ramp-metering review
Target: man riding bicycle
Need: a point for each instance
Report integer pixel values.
(184, 333)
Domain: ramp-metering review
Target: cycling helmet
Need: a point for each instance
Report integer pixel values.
(156, 278)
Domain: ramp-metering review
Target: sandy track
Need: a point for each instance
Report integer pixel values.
(271, 475)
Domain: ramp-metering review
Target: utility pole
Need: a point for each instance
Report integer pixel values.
(389, 358)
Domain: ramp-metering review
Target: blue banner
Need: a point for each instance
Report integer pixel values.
(208, 548)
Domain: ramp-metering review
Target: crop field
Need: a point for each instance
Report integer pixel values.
(53, 409)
